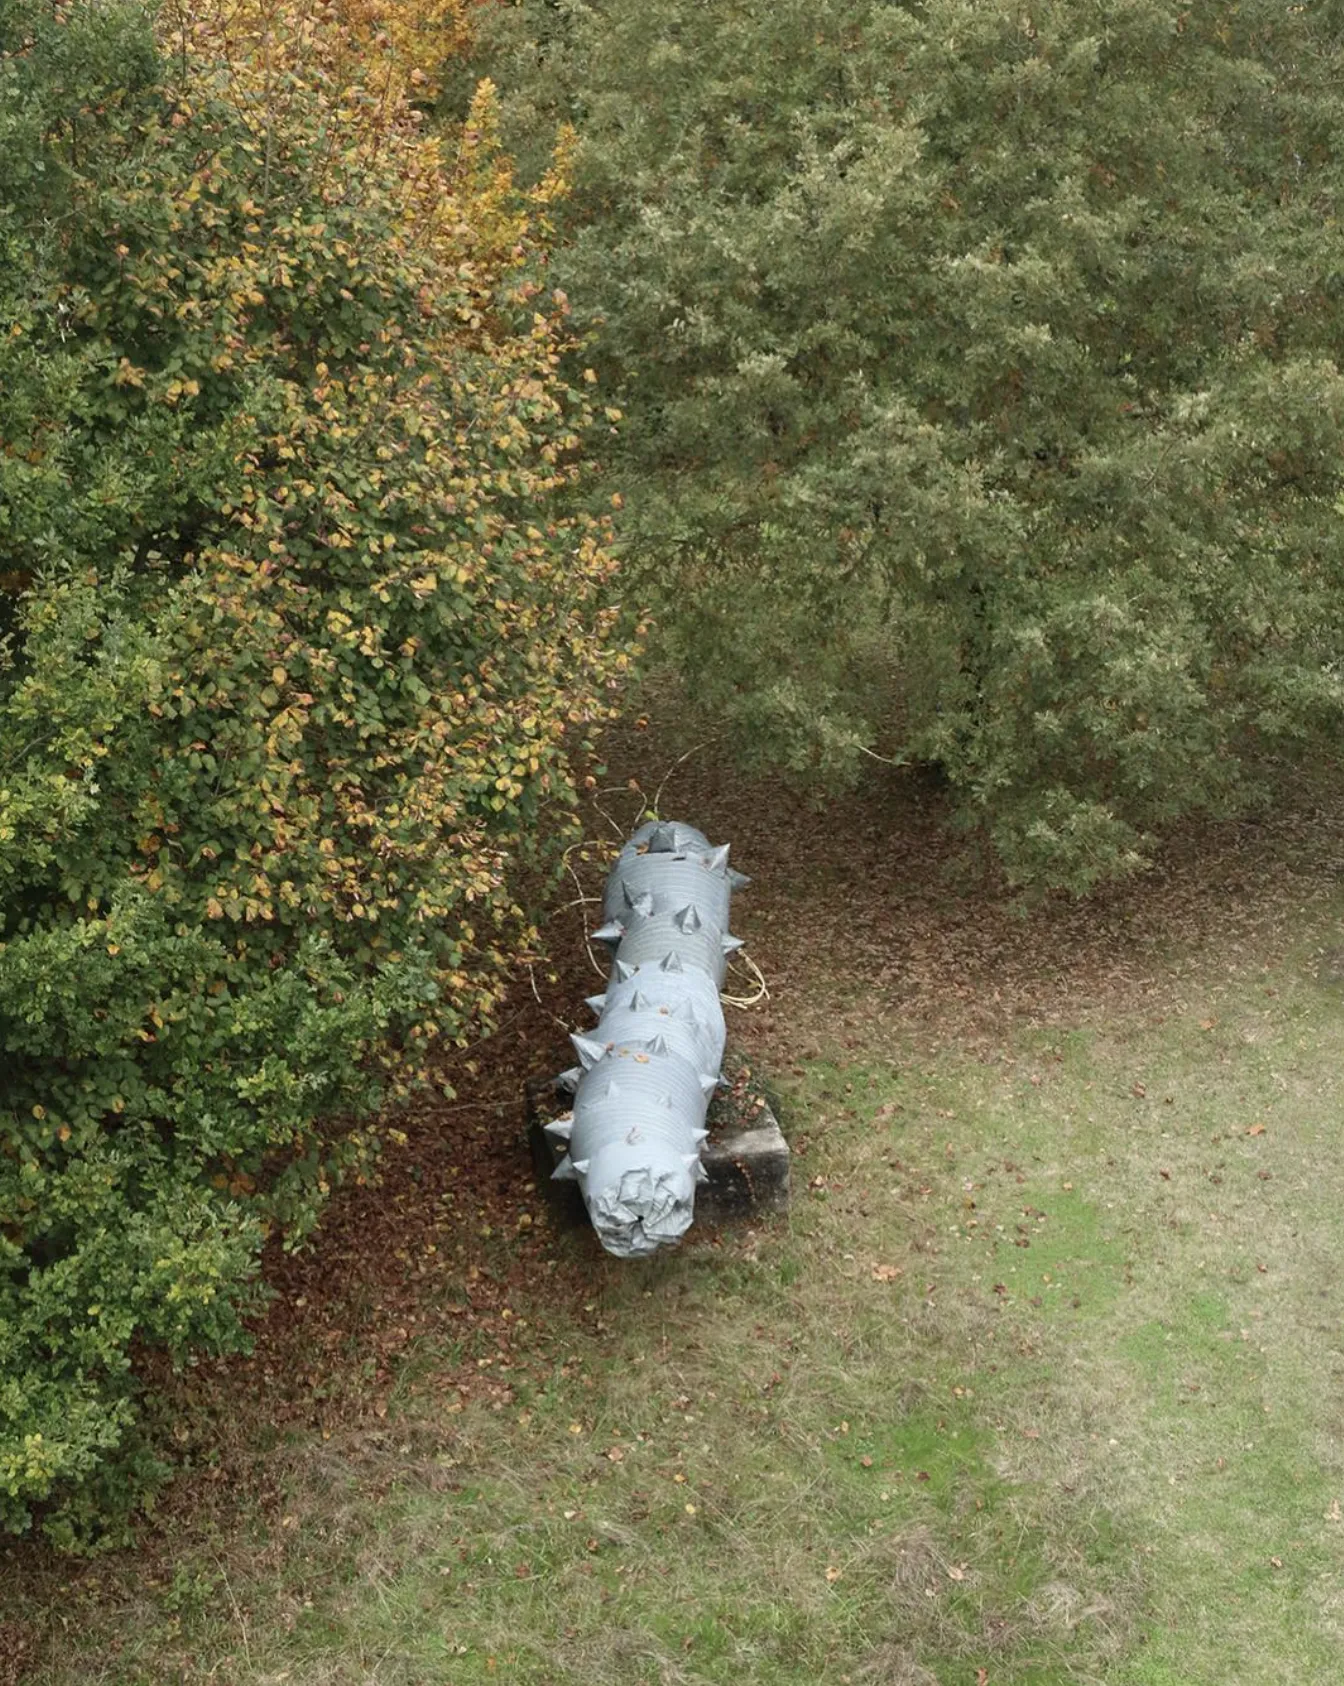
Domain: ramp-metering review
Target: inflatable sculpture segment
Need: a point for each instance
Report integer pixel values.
(646, 1072)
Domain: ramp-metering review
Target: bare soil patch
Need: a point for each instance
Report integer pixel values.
(871, 907)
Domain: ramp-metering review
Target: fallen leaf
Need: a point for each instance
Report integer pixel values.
(1333, 1514)
(1256, 1130)
(1277, 1562)
(982, 1677)
(1207, 1024)
(956, 1571)
(833, 1574)
(887, 1273)
(1139, 1090)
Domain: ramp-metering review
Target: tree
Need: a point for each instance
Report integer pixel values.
(297, 642)
(981, 372)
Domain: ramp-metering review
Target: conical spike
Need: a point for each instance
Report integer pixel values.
(732, 944)
(700, 1137)
(737, 880)
(624, 971)
(687, 919)
(611, 932)
(596, 1002)
(564, 1172)
(569, 1080)
(717, 859)
(708, 1083)
(580, 1166)
(692, 1163)
(671, 962)
(657, 1045)
(561, 1130)
(589, 1052)
(662, 840)
(637, 1002)
(642, 904)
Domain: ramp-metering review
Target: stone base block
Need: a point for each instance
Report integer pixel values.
(746, 1156)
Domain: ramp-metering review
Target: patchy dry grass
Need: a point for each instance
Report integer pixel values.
(1039, 1383)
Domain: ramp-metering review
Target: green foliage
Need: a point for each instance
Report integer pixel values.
(295, 637)
(990, 348)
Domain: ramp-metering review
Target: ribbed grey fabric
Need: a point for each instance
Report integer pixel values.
(647, 1070)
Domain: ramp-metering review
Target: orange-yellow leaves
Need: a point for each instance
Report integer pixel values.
(396, 627)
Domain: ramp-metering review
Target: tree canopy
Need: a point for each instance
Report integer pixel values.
(297, 640)
(981, 371)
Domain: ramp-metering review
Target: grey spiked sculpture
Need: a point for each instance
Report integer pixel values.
(646, 1072)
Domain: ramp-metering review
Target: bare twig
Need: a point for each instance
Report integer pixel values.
(695, 749)
(762, 990)
(886, 760)
(584, 898)
(532, 979)
(621, 831)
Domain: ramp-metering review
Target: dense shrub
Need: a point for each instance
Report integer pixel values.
(296, 634)
(981, 363)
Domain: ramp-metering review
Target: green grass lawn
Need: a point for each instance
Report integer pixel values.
(1040, 1382)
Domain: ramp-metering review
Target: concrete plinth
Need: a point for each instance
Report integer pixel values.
(746, 1157)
